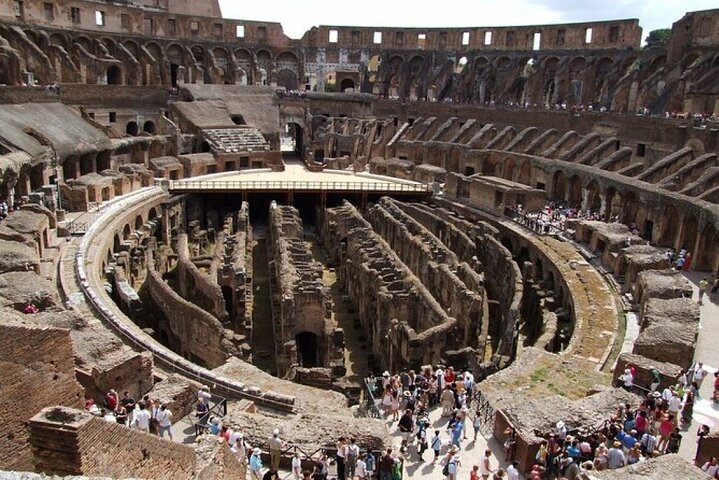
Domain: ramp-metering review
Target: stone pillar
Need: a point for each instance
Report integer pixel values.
(632, 102)
(585, 199)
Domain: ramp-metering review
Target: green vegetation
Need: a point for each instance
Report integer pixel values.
(658, 37)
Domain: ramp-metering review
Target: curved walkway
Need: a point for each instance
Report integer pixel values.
(707, 352)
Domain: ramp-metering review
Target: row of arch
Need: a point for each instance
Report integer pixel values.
(664, 224)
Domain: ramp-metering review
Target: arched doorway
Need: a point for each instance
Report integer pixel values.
(689, 233)
(594, 199)
(114, 75)
(287, 78)
(559, 186)
(292, 141)
(575, 191)
(132, 129)
(347, 84)
(149, 127)
(613, 205)
(670, 227)
(705, 258)
(307, 349)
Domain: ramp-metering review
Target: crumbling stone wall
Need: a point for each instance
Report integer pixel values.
(476, 243)
(36, 370)
(405, 325)
(669, 330)
(196, 286)
(456, 286)
(235, 270)
(126, 371)
(66, 441)
(304, 300)
(186, 328)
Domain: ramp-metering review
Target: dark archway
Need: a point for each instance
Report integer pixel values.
(669, 228)
(689, 233)
(238, 119)
(347, 84)
(114, 75)
(287, 78)
(149, 127)
(559, 186)
(292, 139)
(174, 68)
(132, 129)
(705, 258)
(307, 349)
(228, 296)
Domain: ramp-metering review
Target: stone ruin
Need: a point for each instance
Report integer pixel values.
(305, 333)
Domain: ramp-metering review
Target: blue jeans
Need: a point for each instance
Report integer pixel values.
(385, 475)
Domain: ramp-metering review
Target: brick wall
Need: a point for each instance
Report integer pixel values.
(68, 441)
(36, 370)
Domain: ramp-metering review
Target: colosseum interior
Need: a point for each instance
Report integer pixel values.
(193, 200)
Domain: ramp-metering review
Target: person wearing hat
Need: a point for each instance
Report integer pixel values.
(453, 467)
(561, 430)
(256, 464)
(276, 445)
(615, 456)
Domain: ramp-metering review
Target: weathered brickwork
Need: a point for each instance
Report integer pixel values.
(36, 370)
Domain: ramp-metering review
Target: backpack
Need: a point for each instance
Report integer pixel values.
(445, 469)
(352, 455)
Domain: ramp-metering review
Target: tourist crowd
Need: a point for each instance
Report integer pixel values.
(631, 435)
(148, 415)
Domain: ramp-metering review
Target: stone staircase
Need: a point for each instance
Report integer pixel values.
(236, 140)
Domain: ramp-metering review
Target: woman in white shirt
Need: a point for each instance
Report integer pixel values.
(296, 466)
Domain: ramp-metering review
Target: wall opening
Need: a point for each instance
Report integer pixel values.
(347, 84)
(537, 43)
(588, 36)
(488, 38)
(307, 349)
(114, 75)
(465, 38)
(377, 38)
(132, 128)
(333, 36)
(149, 127)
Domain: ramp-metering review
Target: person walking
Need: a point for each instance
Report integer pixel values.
(485, 466)
(165, 421)
(276, 444)
(256, 464)
(703, 285)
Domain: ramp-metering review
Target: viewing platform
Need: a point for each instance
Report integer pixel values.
(296, 178)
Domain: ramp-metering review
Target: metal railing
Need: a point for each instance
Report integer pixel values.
(371, 408)
(484, 410)
(218, 409)
(197, 185)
